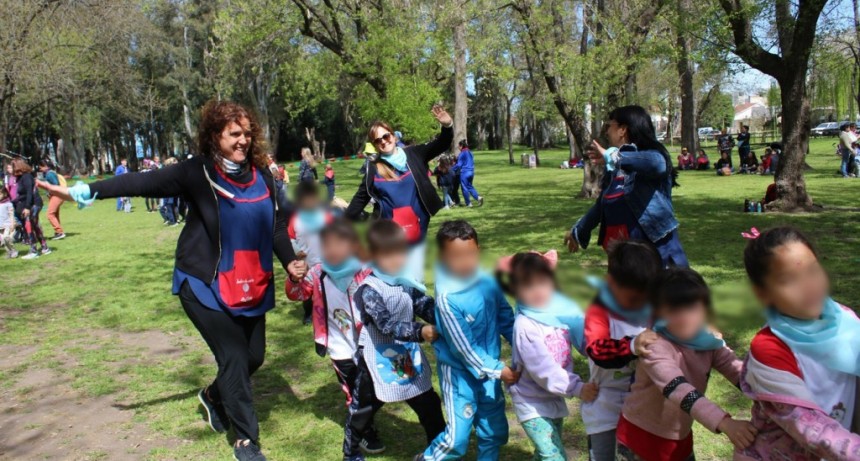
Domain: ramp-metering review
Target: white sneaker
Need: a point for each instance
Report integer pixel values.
(12, 254)
(46, 251)
(446, 207)
(30, 255)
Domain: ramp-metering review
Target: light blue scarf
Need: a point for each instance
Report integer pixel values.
(705, 340)
(342, 274)
(640, 317)
(561, 312)
(312, 220)
(832, 340)
(450, 283)
(397, 159)
(404, 279)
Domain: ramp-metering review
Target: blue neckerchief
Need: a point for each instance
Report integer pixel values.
(312, 220)
(449, 283)
(561, 312)
(705, 340)
(404, 279)
(342, 274)
(832, 340)
(639, 317)
(397, 159)
(232, 167)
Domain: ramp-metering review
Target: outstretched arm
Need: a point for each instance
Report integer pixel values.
(440, 143)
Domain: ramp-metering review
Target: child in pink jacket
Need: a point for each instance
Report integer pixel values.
(671, 379)
(803, 366)
(331, 284)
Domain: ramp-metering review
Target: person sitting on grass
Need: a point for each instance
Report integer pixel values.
(767, 166)
(724, 165)
(751, 164)
(686, 160)
(702, 160)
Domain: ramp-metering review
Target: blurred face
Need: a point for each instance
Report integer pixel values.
(616, 134)
(796, 284)
(537, 292)
(390, 262)
(685, 322)
(628, 298)
(123, 162)
(235, 141)
(336, 250)
(384, 140)
(43, 168)
(9, 169)
(310, 203)
(461, 257)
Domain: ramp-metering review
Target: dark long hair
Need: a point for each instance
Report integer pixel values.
(640, 131)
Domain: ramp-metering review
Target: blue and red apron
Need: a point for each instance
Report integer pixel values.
(243, 284)
(399, 202)
(619, 223)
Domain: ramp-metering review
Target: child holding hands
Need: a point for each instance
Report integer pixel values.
(473, 315)
(615, 336)
(668, 394)
(546, 326)
(391, 365)
(331, 284)
(803, 366)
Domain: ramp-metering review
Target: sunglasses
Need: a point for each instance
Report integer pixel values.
(386, 137)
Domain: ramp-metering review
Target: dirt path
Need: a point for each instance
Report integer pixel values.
(42, 417)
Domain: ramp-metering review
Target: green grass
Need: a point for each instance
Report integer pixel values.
(113, 274)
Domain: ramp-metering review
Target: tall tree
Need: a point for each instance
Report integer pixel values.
(788, 64)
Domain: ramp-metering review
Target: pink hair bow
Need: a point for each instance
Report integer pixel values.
(550, 256)
(752, 234)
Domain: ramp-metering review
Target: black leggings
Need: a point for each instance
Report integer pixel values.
(239, 346)
(364, 405)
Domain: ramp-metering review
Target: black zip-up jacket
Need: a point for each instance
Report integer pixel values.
(198, 250)
(417, 157)
(28, 195)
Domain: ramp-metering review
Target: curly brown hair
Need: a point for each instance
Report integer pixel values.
(215, 116)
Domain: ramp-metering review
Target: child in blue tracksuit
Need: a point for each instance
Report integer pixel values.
(465, 167)
(471, 316)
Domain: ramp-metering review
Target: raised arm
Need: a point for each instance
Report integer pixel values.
(439, 144)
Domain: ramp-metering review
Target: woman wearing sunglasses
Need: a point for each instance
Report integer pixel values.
(398, 180)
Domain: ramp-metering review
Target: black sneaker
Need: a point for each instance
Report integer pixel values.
(215, 416)
(247, 451)
(59, 236)
(480, 201)
(307, 320)
(371, 445)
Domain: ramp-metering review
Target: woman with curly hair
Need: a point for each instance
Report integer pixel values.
(223, 273)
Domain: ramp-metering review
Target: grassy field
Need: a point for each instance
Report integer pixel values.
(73, 312)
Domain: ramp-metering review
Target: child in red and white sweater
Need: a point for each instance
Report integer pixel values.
(616, 333)
(332, 284)
(668, 394)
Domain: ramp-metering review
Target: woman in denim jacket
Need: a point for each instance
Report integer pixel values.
(636, 198)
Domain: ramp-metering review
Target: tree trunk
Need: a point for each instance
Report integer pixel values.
(689, 133)
(460, 98)
(508, 103)
(790, 183)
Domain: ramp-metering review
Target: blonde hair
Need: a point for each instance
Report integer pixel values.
(308, 157)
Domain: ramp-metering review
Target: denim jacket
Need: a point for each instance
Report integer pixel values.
(647, 191)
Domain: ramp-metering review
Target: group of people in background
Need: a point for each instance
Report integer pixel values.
(21, 204)
(848, 149)
(724, 166)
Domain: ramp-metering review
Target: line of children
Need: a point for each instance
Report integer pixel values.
(647, 378)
